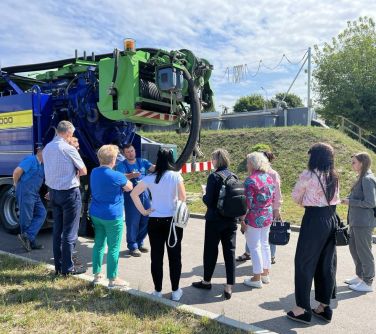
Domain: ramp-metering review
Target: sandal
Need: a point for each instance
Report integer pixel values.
(243, 257)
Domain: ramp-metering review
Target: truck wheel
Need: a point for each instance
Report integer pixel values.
(9, 213)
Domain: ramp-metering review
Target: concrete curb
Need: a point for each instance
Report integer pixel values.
(294, 228)
(187, 308)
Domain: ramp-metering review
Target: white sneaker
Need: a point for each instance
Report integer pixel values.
(361, 287)
(176, 295)
(354, 280)
(265, 279)
(253, 284)
(117, 284)
(157, 294)
(97, 279)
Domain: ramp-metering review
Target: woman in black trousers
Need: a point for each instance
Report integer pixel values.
(218, 228)
(315, 257)
(166, 187)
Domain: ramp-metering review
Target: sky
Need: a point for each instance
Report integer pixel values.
(227, 33)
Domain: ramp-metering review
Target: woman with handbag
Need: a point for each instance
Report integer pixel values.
(165, 186)
(315, 257)
(277, 202)
(217, 227)
(259, 190)
(361, 202)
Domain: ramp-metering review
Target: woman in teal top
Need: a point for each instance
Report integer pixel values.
(106, 212)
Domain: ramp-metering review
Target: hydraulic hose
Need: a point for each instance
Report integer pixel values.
(195, 122)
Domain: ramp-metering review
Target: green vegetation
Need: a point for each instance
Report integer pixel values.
(251, 103)
(345, 76)
(258, 102)
(290, 146)
(32, 300)
(291, 100)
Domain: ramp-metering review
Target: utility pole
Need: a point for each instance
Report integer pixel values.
(266, 98)
(309, 88)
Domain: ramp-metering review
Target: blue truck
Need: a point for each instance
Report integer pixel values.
(107, 97)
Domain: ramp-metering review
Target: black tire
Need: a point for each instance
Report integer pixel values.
(9, 213)
(194, 130)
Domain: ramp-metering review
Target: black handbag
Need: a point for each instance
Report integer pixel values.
(279, 233)
(341, 233)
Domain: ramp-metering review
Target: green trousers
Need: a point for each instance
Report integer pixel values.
(110, 231)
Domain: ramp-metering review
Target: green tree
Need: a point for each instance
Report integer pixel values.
(292, 100)
(251, 103)
(345, 74)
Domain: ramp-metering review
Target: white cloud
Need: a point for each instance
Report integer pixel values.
(226, 33)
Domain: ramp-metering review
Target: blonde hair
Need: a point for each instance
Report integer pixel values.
(107, 154)
(258, 161)
(222, 157)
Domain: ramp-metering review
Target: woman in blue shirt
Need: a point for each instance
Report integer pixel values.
(107, 213)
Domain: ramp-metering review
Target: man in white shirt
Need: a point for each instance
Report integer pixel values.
(62, 165)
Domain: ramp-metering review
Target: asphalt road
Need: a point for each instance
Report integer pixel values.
(353, 312)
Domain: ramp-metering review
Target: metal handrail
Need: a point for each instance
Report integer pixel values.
(357, 133)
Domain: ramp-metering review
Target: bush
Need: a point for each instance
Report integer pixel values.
(261, 147)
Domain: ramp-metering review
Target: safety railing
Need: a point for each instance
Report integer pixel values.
(357, 132)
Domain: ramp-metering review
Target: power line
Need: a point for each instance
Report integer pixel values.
(241, 72)
(296, 63)
(276, 66)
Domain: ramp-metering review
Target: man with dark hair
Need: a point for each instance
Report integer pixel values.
(28, 178)
(135, 169)
(63, 166)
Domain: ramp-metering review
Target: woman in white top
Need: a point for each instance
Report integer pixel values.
(165, 186)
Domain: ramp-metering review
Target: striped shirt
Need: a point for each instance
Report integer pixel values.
(61, 162)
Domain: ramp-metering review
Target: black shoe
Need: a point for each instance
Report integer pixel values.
(201, 285)
(227, 295)
(35, 245)
(324, 315)
(76, 271)
(57, 272)
(24, 241)
(305, 318)
(143, 249)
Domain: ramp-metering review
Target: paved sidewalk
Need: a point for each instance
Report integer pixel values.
(265, 308)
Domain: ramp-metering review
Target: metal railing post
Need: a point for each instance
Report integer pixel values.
(342, 127)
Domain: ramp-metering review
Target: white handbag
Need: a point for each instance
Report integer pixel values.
(181, 215)
(180, 218)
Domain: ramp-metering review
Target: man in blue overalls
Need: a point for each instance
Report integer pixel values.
(28, 178)
(137, 224)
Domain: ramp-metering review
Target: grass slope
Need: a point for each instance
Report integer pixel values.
(32, 300)
(290, 146)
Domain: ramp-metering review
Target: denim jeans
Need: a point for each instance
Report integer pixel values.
(66, 205)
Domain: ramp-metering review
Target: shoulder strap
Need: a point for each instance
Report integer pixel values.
(225, 177)
(326, 196)
(323, 189)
